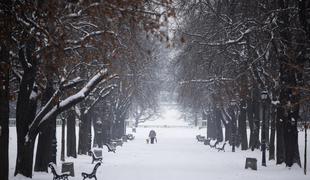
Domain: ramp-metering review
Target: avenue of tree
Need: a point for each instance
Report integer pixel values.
(95, 63)
(89, 62)
(246, 64)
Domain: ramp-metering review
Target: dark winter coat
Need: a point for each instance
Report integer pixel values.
(152, 134)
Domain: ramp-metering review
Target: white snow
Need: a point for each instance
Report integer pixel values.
(176, 156)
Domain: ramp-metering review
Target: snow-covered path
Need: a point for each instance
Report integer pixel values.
(176, 156)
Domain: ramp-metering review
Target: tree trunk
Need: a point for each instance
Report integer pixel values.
(233, 126)
(218, 125)
(290, 77)
(305, 153)
(71, 134)
(273, 131)
(85, 134)
(63, 128)
(280, 155)
(45, 152)
(256, 119)
(45, 147)
(263, 134)
(25, 112)
(242, 126)
(210, 126)
(4, 112)
(98, 130)
(291, 143)
(251, 123)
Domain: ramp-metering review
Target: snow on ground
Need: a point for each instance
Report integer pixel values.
(176, 156)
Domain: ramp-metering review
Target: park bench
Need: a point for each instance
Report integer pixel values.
(251, 163)
(96, 155)
(92, 174)
(130, 137)
(111, 147)
(117, 142)
(206, 142)
(200, 138)
(222, 148)
(124, 138)
(68, 167)
(214, 145)
(56, 175)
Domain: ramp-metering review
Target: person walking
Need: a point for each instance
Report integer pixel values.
(152, 136)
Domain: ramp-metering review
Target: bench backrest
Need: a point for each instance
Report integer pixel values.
(96, 167)
(110, 146)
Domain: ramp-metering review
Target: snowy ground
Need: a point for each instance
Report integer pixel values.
(176, 156)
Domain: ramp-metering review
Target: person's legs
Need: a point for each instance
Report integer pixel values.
(152, 140)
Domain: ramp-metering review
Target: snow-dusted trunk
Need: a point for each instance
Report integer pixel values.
(71, 134)
(45, 148)
(4, 112)
(55, 107)
(46, 140)
(228, 132)
(25, 111)
(62, 150)
(250, 115)
(263, 133)
(273, 131)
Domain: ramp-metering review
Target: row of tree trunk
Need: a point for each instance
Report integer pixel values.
(279, 123)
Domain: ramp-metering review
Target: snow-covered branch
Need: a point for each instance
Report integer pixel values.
(211, 80)
(55, 109)
(231, 41)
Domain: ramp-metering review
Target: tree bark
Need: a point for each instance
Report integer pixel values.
(71, 134)
(280, 153)
(25, 111)
(305, 152)
(250, 115)
(242, 126)
(98, 130)
(45, 152)
(4, 112)
(85, 134)
(290, 77)
(256, 119)
(210, 126)
(273, 131)
(63, 134)
(218, 125)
